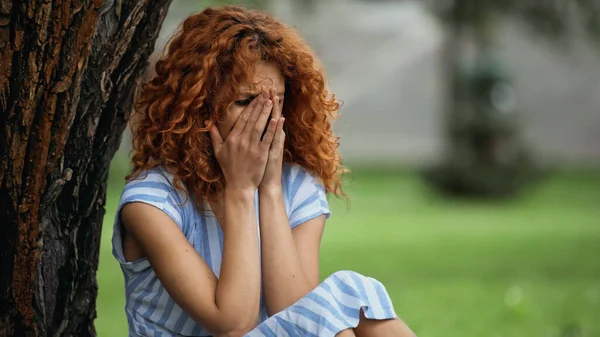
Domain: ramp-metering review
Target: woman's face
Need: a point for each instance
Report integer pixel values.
(267, 77)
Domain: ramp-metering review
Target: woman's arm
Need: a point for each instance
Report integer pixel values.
(290, 257)
(226, 307)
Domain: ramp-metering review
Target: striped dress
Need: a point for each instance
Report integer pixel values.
(330, 308)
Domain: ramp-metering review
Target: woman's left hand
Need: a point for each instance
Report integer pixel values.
(272, 177)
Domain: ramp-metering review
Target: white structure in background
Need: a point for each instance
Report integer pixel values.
(383, 61)
(370, 50)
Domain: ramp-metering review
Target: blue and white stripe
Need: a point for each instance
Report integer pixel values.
(330, 308)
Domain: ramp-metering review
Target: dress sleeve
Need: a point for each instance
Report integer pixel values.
(155, 190)
(307, 196)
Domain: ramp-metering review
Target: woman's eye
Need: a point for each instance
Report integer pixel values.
(244, 102)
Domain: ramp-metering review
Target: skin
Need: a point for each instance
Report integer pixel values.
(288, 273)
(229, 306)
(267, 76)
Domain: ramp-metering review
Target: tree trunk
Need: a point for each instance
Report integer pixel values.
(68, 72)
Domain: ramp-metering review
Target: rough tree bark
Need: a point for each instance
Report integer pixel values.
(68, 72)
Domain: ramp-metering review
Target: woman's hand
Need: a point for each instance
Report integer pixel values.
(243, 156)
(272, 176)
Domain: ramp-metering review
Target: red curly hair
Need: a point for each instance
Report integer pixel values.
(213, 52)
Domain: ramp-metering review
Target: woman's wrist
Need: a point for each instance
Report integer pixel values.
(274, 190)
(240, 194)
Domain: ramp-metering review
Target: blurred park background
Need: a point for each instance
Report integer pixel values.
(474, 141)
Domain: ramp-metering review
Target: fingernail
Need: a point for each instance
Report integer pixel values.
(205, 123)
(265, 94)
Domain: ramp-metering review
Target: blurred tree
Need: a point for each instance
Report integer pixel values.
(485, 155)
(260, 4)
(69, 72)
(306, 6)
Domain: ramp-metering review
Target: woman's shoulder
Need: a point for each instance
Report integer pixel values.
(295, 176)
(299, 183)
(154, 185)
(304, 194)
(154, 181)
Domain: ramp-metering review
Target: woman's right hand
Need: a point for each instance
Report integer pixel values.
(243, 156)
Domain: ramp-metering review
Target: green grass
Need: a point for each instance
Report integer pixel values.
(528, 267)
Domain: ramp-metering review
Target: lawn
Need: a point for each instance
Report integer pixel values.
(528, 267)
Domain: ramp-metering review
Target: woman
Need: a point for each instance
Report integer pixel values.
(219, 226)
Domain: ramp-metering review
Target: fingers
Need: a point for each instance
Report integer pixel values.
(274, 138)
(270, 134)
(277, 108)
(256, 112)
(243, 119)
(259, 126)
(279, 137)
(215, 136)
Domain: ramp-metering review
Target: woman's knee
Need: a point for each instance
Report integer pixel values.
(351, 277)
(346, 275)
(357, 283)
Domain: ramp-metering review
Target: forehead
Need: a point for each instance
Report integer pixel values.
(266, 74)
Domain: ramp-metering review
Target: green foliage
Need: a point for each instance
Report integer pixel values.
(526, 267)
